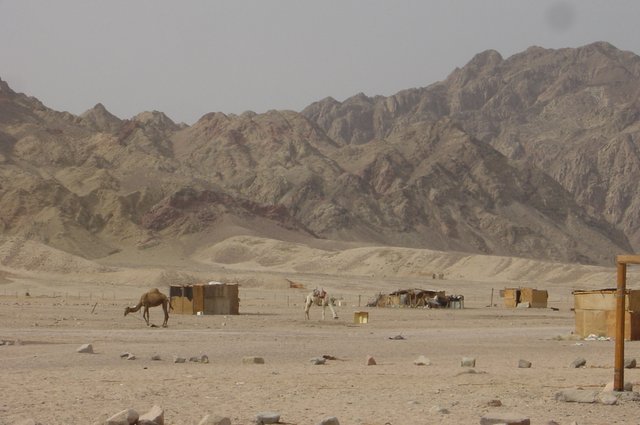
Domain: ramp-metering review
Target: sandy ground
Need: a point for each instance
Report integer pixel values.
(44, 378)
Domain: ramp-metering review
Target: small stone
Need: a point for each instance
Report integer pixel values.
(371, 361)
(156, 357)
(124, 355)
(125, 417)
(494, 403)
(178, 359)
(252, 360)
(131, 357)
(577, 396)
(154, 416)
(468, 362)
(579, 362)
(627, 386)
(204, 358)
(524, 364)
(267, 418)
(422, 361)
(608, 399)
(504, 418)
(629, 363)
(85, 348)
(194, 359)
(331, 420)
(318, 360)
(215, 420)
(439, 409)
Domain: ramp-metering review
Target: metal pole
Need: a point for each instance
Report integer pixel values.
(618, 377)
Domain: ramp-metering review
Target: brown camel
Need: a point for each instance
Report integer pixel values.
(152, 298)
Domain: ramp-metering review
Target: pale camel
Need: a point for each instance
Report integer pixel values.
(320, 298)
(152, 298)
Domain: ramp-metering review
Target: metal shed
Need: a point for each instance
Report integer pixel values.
(205, 298)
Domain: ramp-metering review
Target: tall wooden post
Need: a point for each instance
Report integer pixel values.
(618, 377)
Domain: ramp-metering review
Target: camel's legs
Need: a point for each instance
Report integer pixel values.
(166, 315)
(145, 314)
(335, 316)
(307, 306)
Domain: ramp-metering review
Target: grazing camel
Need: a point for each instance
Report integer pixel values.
(152, 298)
(320, 298)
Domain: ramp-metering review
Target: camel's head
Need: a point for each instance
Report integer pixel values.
(127, 310)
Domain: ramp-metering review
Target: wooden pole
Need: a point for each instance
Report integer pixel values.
(618, 377)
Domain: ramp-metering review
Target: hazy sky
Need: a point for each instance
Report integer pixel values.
(187, 58)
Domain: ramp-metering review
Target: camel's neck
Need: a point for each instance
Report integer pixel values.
(136, 308)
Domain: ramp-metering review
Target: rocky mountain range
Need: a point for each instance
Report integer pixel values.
(532, 156)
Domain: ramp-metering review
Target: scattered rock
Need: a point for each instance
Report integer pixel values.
(126, 417)
(439, 409)
(267, 418)
(318, 360)
(124, 355)
(504, 418)
(331, 420)
(629, 363)
(252, 360)
(371, 361)
(85, 348)
(397, 337)
(131, 357)
(422, 361)
(577, 396)
(194, 359)
(524, 364)
(628, 386)
(178, 359)
(215, 420)
(608, 398)
(468, 362)
(204, 359)
(494, 403)
(156, 357)
(155, 416)
(579, 362)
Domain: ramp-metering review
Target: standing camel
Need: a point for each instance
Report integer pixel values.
(152, 298)
(320, 298)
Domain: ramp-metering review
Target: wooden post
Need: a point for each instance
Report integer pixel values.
(618, 377)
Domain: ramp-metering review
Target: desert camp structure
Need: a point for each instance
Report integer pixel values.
(595, 313)
(205, 298)
(524, 297)
(417, 298)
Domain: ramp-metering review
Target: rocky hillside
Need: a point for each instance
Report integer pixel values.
(574, 113)
(532, 156)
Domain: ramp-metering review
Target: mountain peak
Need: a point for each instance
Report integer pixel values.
(99, 118)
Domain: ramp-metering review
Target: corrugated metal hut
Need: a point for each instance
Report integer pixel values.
(205, 298)
(535, 298)
(595, 312)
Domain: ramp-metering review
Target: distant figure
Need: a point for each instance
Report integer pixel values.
(320, 298)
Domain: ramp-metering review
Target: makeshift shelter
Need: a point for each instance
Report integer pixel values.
(595, 312)
(405, 298)
(530, 297)
(207, 298)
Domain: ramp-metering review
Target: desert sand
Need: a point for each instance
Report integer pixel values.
(51, 304)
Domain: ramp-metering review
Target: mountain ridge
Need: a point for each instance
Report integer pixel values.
(456, 165)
